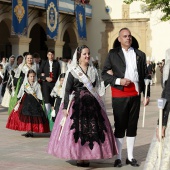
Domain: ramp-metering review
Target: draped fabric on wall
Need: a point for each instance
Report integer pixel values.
(19, 17)
(81, 20)
(52, 18)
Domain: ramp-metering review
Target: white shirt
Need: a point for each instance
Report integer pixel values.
(51, 64)
(4, 64)
(37, 66)
(131, 71)
(1, 75)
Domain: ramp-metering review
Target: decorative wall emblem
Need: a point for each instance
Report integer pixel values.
(52, 17)
(19, 10)
(81, 20)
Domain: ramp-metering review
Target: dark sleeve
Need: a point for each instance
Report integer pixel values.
(146, 74)
(6, 76)
(166, 95)
(40, 101)
(52, 101)
(12, 73)
(68, 89)
(59, 69)
(108, 79)
(165, 114)
(94, 83)
(15, 81)
(41, 70)
(22, 75)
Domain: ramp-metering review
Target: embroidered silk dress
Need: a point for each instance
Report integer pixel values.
(87, 133)
(18, 82)
(30, 115)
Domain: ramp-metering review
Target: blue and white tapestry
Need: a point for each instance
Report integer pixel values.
(81, 20)
(19, 17)
(52, 18)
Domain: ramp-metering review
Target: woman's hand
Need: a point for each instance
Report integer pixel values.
(163, 132)
(65, 113)
(110, 72)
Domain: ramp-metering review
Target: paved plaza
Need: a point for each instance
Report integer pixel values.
(20, 153)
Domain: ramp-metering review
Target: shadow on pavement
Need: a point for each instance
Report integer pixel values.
(140, 153)
(42, 135)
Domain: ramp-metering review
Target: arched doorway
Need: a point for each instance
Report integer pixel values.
(134, 43)
(70, 45)
(5, 45)
(37, 44)
(66, 47)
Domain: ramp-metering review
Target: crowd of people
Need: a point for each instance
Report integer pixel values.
(66, 99)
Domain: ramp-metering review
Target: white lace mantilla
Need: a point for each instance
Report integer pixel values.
(152, 157)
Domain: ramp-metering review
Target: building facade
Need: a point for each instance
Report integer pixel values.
(36, 39)
(109, 16)
(104, 19)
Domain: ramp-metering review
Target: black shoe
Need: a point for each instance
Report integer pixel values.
(118, 163)
(28, 134)
(23, 134)
(86, 164)
(132, 163)
(83, 164)
(79, 164)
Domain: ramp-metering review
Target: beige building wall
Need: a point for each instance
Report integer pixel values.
(149, 31)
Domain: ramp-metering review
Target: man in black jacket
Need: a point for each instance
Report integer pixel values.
(127, 82)
(48, 74)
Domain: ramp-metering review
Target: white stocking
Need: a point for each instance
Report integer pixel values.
(119, 142)
(130, 145)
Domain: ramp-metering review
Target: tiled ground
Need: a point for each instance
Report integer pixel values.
(20, 153)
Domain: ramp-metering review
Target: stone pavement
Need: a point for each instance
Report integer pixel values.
(20, 153)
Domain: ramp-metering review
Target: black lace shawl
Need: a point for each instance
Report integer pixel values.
(88, 121)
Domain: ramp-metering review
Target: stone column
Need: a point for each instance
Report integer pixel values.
(50, 43)
(19, 45)
(59, 48)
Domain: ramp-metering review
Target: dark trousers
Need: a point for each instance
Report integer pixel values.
(47, 88)
(126, 115)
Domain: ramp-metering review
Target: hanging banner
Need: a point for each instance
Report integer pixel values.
(52, 18)
(81, 20)
(19, 17)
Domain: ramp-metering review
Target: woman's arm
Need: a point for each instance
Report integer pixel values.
(68, 89)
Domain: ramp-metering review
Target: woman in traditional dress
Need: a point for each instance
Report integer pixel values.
(19, 76)
(152, 160)
(28, 115)
(56, 93)
(82, 130)
(13, 97)
(7, 84)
